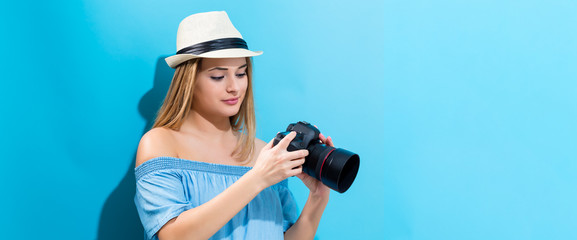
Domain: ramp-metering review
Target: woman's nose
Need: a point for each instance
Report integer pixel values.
(232, 84)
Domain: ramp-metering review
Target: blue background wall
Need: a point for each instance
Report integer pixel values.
(463, 112)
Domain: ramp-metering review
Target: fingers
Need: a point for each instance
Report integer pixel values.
(297, 154)
(326, 140)
(297, 162)
(283, 144)
(269, 144)
(297, 171)
(330, 142)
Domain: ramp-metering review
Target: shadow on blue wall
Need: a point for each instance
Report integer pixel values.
(119, 219)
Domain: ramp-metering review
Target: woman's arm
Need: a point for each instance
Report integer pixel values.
(273, 165)
(306, 225)
(205, 220)
(308, 222)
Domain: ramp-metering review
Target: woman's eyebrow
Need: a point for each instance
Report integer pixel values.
(221, 68)
(218, 68)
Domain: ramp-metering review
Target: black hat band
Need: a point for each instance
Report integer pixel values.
(213, 45)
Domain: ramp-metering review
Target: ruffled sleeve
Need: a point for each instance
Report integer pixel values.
(159, 198)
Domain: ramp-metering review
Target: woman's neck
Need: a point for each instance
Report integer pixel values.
(207, 126)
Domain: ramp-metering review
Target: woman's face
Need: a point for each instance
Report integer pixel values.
(220, 86)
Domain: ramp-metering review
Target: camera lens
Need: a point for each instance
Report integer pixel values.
(334, 167)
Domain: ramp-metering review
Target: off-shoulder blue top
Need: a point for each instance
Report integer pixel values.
(168, 186)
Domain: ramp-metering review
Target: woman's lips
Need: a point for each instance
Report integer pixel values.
(231, 101)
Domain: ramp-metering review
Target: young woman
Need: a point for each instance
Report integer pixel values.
(200, 171)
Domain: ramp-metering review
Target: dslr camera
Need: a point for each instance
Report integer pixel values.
(334, 167)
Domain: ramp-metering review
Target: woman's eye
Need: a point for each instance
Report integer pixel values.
(217, 78)
(241, 75)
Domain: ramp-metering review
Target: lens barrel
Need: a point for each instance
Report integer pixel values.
(334, 167)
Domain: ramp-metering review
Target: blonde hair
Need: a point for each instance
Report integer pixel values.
(178, 103)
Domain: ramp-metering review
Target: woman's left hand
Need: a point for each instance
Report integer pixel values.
(316, 187)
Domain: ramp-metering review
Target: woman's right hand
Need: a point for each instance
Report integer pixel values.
(275, 164)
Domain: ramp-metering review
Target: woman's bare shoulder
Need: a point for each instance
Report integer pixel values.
(258, 144)
(158, 142)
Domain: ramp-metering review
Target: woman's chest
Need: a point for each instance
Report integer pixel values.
(219, 153)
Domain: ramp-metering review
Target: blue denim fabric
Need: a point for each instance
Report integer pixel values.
(167, 186)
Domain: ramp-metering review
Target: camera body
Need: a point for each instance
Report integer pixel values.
(334, 167)
(307, 135)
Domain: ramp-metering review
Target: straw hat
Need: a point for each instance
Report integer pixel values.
(208, 35)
